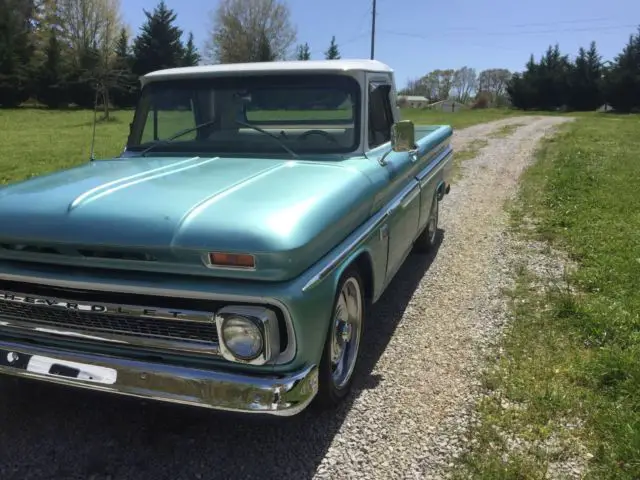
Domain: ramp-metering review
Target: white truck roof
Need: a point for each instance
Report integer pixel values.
(265, 68)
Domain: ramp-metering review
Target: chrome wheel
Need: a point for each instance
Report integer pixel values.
(345, 333)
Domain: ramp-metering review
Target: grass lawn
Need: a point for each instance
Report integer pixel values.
(37, 141)
(569, 369)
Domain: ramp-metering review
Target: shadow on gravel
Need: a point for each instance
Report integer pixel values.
(49, 432)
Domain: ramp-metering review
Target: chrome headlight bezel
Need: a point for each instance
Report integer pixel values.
(264, 319)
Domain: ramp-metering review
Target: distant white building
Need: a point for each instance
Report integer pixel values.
(605, 108)
(413, 101)
(448, 106)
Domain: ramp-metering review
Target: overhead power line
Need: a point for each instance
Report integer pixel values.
(471, 32)
(540, 24)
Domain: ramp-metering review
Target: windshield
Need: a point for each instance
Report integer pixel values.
(305, 113)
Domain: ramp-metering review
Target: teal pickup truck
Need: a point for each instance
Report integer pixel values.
(229, 257)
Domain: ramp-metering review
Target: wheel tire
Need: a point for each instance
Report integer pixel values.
(334, 385)
(427, 239)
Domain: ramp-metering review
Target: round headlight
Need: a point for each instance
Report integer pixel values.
(242, 337)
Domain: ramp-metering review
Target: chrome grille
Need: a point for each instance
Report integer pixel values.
(170, 329)
(147, 323)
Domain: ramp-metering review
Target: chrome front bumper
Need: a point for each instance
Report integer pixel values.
(274, 395)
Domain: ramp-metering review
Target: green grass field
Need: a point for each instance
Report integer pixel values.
(38, 141)
(569, 373)
(35, 141)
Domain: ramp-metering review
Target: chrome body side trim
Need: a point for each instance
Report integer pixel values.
(411, 196)
(423, 175)
(284, 395)
(376, 221)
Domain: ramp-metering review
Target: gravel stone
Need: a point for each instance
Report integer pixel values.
(414, 395)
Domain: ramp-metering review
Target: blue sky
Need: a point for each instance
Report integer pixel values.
(417, 36)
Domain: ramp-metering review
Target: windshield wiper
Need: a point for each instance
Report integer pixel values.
(177, 135)
(210, 122)
(275, 137)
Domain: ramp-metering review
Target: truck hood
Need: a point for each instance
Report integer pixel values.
(165, 213)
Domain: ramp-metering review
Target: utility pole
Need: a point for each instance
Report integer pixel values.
(373, 29)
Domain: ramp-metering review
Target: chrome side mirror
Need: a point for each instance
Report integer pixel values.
(403, 136)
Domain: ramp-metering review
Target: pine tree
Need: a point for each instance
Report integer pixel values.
(16, 51)
(82, 82)
(622, 82)
(191, 55)
(125, 89)
(46, 17)
(122, 46)
(332, 53)
(158, 46)
(264, 52)
(303, 52)
(585, 80)
(52, 88)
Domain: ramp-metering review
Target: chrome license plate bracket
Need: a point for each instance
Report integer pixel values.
(53, 367)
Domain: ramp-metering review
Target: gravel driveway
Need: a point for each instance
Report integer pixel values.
(415, 390)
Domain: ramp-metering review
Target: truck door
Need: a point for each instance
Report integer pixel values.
(402, 185)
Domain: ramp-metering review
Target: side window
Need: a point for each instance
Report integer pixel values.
(380, 114)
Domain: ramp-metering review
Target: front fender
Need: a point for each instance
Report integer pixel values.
(312, 294)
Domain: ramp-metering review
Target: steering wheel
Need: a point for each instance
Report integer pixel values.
(317, 132)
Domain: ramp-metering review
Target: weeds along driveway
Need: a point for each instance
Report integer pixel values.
(415, 388)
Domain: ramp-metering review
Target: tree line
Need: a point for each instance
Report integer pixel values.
(463, 85)
(555, 82)
(586, 83)
(81, 52)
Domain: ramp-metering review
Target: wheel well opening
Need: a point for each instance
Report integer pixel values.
(363, 262)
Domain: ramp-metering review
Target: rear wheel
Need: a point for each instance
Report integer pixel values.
(342, 346)
(427, 239)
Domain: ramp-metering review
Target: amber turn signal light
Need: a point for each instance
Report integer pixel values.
(232, 260)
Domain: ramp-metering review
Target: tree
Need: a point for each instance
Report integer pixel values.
(332, 52)
(494, 82)
(464, 83)
(435, 85)
(522, 89)
(46, 18)
(191, 55)
(544, 85)
(159, 43)
(125, 91)
(106, 76)
(82, 79)
(415, 86)
(250, 31)
(89, 25)
(585, 80)
(89, 29)
(303, 52)
(444, 81)
(52, 88)
(263, 49)
(622, 81)
(16, 51)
